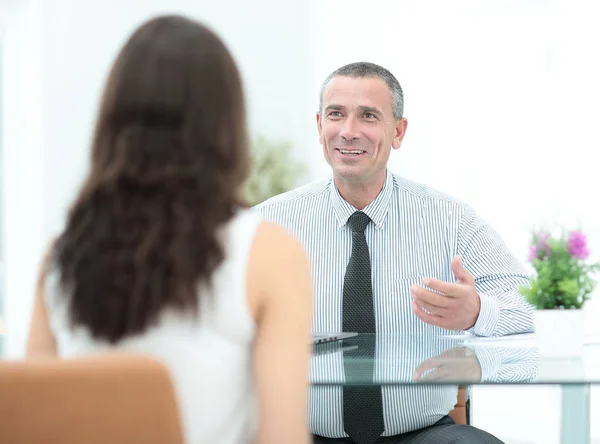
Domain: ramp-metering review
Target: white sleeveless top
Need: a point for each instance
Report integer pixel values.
(208, 354)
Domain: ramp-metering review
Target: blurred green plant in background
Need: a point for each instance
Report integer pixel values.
(274, 170)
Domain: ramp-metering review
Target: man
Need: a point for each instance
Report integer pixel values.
(392, 256)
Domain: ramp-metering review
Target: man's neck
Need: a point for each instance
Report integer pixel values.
(360, 194)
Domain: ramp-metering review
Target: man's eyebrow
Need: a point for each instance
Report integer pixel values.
(334, 108)
(362, 109)
(370, 109)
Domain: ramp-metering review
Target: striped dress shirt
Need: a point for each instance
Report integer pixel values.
(414, 234)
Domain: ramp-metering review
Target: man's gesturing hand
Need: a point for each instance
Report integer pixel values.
(456, 308)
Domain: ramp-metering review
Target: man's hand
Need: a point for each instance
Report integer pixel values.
(456, 308)
(457, 364)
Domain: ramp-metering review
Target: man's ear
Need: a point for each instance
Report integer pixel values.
(320, 128)
(400, 131)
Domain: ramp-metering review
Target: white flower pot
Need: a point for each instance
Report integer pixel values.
(559, 333)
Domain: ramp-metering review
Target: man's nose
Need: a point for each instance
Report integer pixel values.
(350, 130)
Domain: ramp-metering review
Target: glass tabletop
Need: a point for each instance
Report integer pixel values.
(395, 359)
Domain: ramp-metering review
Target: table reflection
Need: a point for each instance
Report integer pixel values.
(407, 359)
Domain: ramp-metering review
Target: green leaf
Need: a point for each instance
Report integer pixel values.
(273, 170)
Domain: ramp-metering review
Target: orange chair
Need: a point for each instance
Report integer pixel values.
(116, 399)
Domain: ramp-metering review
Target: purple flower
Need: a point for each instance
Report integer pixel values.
(577, 245)
(542, 241)
(540, 246)
(533, 253)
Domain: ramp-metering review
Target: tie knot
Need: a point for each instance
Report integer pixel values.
(358, 222)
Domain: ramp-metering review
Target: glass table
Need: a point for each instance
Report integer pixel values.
(429, 368)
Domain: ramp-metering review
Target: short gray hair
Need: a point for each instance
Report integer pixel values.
(366, 69)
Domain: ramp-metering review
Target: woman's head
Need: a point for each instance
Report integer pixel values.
(169, 155)
(174, 79)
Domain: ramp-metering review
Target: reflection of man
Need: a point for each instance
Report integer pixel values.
(391, 255)
(465, 365)
(402, 358)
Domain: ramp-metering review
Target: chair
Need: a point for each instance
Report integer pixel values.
(116, 399)
(461, 413)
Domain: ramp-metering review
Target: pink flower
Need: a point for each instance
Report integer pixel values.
(577, 245)
(542, 241)
(533, 253)
(540, 246)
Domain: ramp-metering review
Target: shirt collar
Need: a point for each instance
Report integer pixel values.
(377, 210)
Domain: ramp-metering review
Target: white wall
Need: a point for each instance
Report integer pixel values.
(22, 165)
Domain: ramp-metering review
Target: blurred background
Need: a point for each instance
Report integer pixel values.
(501, 98)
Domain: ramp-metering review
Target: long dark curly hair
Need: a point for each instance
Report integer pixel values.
(169, 155)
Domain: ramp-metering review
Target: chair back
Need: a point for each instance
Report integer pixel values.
(113, 398)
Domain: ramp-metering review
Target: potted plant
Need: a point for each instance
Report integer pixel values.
(562, 283)
(273, 170)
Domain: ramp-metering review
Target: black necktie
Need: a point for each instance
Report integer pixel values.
(363, 411)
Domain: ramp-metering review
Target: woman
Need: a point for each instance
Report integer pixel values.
(158, 257)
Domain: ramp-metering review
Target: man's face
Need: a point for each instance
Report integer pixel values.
(357, 128)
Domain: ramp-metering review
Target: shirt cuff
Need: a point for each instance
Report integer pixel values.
(489, 361)
(489, 312)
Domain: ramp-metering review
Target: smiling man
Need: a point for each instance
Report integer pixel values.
(392, 256)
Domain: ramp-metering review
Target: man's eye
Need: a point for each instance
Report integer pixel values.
(335, 114)
(370, 116)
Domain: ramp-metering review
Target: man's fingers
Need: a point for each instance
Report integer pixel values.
(430, 309)
(430, 298)
(425, 366)
(437, 375)
(432, 319)
(461, 273)
(426, 317)
(449, 289)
